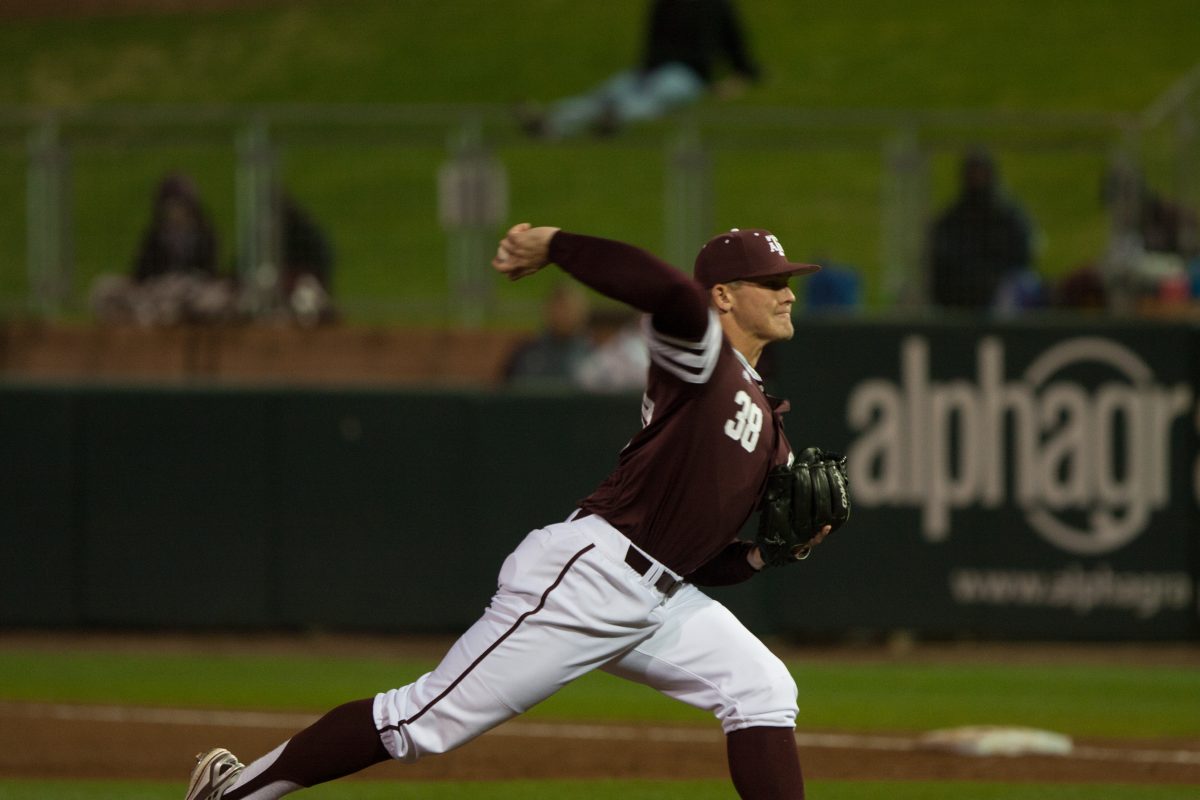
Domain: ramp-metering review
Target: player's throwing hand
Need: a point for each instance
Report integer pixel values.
(523, 251)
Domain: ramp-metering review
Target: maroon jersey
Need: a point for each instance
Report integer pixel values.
(687, 482)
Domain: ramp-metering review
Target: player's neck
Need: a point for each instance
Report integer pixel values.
(746, 343)
(750, 348)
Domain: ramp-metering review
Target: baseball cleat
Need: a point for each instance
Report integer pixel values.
(215, 772)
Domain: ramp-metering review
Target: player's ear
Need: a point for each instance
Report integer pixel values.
(721, 297)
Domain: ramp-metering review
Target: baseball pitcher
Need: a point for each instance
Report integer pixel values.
(616, 586)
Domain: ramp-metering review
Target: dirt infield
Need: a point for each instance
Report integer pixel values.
(42, 740)
(39, 741)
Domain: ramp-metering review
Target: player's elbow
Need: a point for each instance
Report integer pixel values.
(681, 311)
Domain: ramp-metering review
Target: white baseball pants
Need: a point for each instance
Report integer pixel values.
(568, 603)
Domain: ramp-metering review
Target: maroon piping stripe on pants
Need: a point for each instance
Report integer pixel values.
(541, 604)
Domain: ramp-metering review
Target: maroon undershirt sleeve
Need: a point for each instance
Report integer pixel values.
(726, 568)
(677, 304)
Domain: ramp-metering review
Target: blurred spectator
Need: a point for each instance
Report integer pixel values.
(1150, 242)
(980, 241)
(619, 358)
(180, 237)
(301, 289)
(1020, 292)
(174, 274)
(552, 357)
(1162, 225)
(1082, 288)
(307, 251)
(692, 47)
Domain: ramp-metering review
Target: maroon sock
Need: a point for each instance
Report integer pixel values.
(340, 743)
(764, 764)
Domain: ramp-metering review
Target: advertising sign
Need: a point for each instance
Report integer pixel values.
(1022, 480)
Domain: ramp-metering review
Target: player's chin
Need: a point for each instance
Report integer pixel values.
(784, 329)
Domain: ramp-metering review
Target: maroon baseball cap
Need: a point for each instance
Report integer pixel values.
(744, 255)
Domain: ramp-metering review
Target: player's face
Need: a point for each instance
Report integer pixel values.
(763, 308)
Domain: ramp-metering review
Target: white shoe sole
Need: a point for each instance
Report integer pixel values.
(203, 784)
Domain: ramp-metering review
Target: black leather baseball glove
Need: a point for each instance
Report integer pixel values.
(798, 502)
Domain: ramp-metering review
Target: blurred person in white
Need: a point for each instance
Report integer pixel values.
(550, 357)
(692, 48)
(1153, 245)
(619, 357)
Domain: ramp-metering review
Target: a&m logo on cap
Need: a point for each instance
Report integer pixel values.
(774, 245)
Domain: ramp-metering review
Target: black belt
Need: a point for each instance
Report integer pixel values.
(666, 583)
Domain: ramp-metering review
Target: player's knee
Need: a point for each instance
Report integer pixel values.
(768, 698)
(392, 711)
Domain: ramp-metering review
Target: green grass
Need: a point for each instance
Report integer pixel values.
(1081, 700)
(604, 790)
(374, 188)
(1075, 54)
(1076, 699)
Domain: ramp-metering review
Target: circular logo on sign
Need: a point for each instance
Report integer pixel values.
(1111, 521)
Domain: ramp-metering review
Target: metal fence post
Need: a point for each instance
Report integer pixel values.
(50, 242)
(904, 206)
(1176, 113)
(259, 241)
(1188, 166)
(688, 197)
(472, 201)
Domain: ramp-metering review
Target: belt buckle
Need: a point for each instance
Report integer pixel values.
(666, 584)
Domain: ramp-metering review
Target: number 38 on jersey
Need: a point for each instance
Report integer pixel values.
(746, 424)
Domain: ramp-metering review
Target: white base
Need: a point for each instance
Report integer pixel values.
(997, 740)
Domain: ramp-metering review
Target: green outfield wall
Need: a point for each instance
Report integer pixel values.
(1024, 480)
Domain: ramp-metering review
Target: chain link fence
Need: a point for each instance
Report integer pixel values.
(413, 198)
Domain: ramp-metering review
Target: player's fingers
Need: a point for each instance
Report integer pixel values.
(524, 250)
(521, 272)
(503, 261)
(513, 240)
(515, 247)
(516, 251)
(526, 245)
